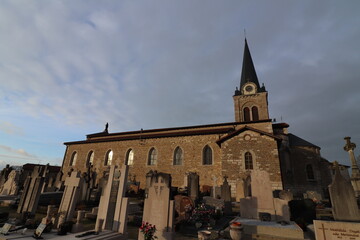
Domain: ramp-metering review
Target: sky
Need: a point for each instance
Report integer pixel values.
(68, 67)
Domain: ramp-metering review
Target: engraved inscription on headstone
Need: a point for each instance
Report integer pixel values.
(333, 230)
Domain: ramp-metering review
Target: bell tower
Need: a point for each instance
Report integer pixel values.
(250, 101)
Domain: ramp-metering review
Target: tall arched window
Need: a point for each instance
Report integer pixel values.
(246, 114)
(90, 159)
(108, 158)
(129, 157)
(152, 158)
(248, 161)
(255, 113)
(178, 156)
(207, 155)
(73, 159)
(310, 172)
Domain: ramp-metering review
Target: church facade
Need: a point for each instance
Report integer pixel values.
(232, 150)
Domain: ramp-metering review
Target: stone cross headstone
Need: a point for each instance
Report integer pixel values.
(70, 197)
(343, 199)
(112, 212)
(10, 187)
(4, 174)
(226, 190)
(193, 185)
(31, 192)
(149, 175)
(158, 208)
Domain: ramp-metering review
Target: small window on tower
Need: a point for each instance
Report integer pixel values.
(246, 114)
(152, 159)
(90, 159)
(255, 113)
(129, 157)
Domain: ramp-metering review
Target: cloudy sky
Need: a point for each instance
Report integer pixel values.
(68, 67)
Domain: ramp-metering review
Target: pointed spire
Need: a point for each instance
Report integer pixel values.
(248, 73)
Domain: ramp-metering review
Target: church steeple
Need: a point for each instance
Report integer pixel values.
(250, 101)
(248, 73)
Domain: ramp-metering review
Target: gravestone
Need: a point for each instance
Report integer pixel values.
(149, 176)
(158, 208)
(10, 187)
(70, 197)
(261, 190)
(333, 230)
(343, 199)
(286, 195)
(78, 226)
(183, 207)
(4, 174)
(240, 190)
(226, 190)
(31, 192)
(355, 170)
(112, 212)
(262, 200)
(193, 185)
(213, 190)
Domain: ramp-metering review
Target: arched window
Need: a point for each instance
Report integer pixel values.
(73, 159)
(246, 114)
(248, 161)
(108, 158)
(90, 159)
(178, 156)
(129, 157)
(255, 113)
(207, 155)
(152, 159)
(310, 172)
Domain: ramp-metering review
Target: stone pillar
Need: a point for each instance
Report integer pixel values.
(355, 172)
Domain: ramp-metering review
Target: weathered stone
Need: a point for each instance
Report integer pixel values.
(11, 187)
(226, 190)
(70, 197)
(31, 192)
(240, 190)
(158, 208)
(343, 198)
(113, 203)
(193, 185)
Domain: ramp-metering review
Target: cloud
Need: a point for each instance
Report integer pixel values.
(9, 128)
(150, 65)
(19, 153)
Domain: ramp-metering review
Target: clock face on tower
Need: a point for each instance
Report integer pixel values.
(249, 88)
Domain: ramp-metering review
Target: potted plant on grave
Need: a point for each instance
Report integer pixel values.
(148, 230)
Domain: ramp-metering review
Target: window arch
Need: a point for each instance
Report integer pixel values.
(178, 156)
(152, 158)
(129, 159)
(310, 172)
(207, 155)
(73, 159)
(90, 159)
(109, 158)
(255, 113)
(248, 161)
(246, 114)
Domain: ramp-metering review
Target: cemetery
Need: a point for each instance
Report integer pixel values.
(116, 208)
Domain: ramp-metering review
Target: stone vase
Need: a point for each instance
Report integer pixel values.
(204, 235)
(236, 231)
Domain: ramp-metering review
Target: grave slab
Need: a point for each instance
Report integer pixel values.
(334, 230)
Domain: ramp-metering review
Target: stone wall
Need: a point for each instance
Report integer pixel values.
(228, 156)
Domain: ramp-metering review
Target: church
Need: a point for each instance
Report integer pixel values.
(214, 151)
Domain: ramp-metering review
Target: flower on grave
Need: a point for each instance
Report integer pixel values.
(202, 213)
(148, 230)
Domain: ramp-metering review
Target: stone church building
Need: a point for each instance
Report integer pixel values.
(232, 149)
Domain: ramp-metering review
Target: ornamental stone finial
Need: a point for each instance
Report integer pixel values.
(349, 145)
